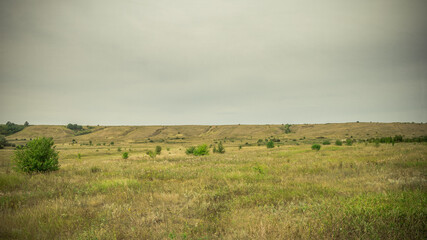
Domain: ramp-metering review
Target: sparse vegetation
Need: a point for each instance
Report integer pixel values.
(37, 156)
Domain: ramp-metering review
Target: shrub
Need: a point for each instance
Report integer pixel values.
(125, 155)
(326, 142)
(79, 156)
(201, 150)
(3, 141)
(348, 142)
(158, 149)
(95, 169)
(315, 147)
(151, 153)
(119, 149)
(338, 142)
(111, 143)
(270, 144)
(220, 148)
(38, 155)
(190, 150)
(286, 128)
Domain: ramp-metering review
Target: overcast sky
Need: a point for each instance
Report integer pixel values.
(155, 62)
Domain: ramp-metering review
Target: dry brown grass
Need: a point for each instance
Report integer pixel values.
(288, 192)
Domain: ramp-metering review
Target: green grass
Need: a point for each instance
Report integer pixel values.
(289, 192)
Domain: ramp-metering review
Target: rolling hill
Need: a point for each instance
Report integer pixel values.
(197, 132)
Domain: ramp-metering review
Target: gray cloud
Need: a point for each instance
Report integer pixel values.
(212, 62)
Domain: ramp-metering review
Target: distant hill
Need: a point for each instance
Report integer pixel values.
(197, 132)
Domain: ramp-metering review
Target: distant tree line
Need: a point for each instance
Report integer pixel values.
(396, 139)
(10, 128)
(74, 127)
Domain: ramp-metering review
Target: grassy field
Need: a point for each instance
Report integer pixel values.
(363, 191)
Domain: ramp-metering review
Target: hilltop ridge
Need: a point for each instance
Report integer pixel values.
(196, 132)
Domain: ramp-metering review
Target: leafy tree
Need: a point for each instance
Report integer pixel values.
(26, 124)
(38, 155)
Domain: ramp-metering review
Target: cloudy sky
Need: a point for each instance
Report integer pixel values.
(153, 62)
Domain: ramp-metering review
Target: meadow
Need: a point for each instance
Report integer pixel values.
(362, 191)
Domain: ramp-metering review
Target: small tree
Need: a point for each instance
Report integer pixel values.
(38, 155)
(158, 150)
(26, 124)
(270, 144)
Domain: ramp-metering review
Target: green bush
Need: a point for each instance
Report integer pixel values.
(38, 155)
(348, 142)
(3, 141)
(270, 144)
(190, 150)
(158, 149)
(316, 147)
(151, 153)
(125, 155)
(326, 142)
(220, 148)
(74, 127)
(201, 150)
(198, 151)
(338, 142)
